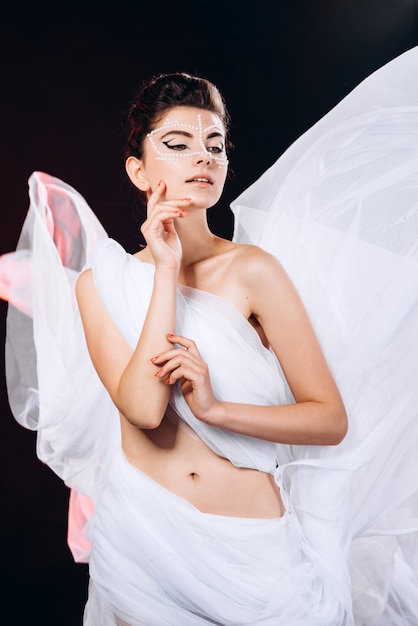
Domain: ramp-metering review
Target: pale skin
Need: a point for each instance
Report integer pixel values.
(184, 250)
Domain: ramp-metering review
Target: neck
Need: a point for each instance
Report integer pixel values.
(197, 240)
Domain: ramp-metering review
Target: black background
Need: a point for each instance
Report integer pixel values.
(68, 71)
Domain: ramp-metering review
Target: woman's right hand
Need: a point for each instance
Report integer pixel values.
(159, 230)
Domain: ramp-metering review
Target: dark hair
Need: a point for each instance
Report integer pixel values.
(162, 93)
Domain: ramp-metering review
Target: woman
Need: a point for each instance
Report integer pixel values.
(177, 156)
(228, 493)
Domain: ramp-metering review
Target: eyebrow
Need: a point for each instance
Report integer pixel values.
(184, 133)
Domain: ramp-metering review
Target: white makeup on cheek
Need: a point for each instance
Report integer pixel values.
(173, 156)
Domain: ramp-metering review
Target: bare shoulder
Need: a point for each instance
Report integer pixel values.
(268, 286)
(259, 269)
(256, 259)
(92, 309)
(85, 289)
(84, 280)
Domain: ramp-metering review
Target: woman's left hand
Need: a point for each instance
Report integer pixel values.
(185, 364)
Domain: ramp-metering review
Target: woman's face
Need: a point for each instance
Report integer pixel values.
(187, 151)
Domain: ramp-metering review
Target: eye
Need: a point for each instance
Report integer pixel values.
(175, 146)
(215, 149)
(216, 145)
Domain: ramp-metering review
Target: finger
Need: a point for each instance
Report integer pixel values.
(156, 195)
(163, 213)
(186, 385)
(166, 356)
(175, 375)
(176, 203)
(169, 376)
(173, 207)
(192, 372)
(156, 199)
(185, 342)
(164, 220)
(186, 361)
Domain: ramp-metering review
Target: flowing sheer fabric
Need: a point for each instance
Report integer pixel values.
(339, 209)
(52, 386)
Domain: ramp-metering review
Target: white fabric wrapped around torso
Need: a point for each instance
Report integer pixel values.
(242, 369)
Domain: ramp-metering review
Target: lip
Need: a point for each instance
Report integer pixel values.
(200, 179)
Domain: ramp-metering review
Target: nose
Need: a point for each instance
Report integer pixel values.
(202, 158)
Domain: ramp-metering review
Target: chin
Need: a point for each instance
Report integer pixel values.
(201, 203)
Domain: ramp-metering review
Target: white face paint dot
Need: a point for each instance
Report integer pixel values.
(174, 156)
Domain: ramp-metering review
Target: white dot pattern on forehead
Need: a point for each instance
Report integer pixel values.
(220, 160)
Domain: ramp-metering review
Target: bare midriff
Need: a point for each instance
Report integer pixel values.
(177, 459)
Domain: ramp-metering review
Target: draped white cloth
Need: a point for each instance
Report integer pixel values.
(157, 561)
(229, 343)
(339, 209)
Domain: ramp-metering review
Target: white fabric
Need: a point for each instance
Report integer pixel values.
(168, 563)
(229, 343)
(52, 385)
(339, 209)
(215, 322)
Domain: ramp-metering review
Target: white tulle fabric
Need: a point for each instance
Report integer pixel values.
(339, 209)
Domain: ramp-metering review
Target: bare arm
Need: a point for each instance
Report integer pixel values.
(318, 416)
(128, 374)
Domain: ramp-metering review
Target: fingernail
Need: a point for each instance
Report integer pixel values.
(170, 335)
(154, 358)
(186, 199)
(158, 373)
(184, 212)
(167, 382)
